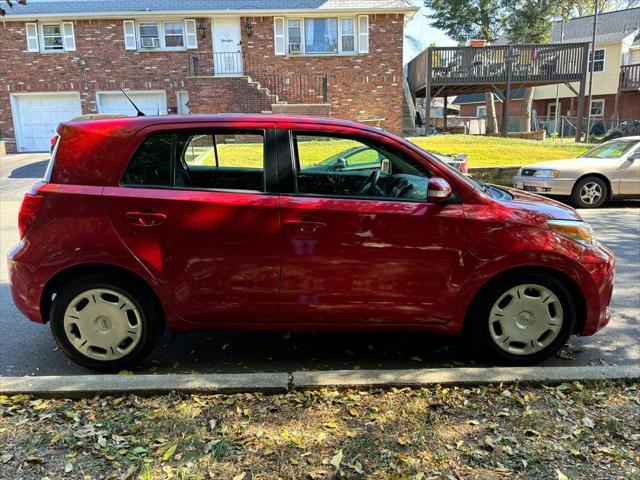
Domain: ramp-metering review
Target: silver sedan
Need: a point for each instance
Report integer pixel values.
(609, 170)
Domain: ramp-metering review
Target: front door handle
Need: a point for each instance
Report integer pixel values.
(306, 225)
(145, 219)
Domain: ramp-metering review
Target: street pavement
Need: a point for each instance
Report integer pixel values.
(27, 348)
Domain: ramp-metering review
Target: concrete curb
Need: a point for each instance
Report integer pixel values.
(79, 386)
(459, 376)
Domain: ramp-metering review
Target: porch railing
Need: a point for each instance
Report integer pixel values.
(308, 88)
(629, 77)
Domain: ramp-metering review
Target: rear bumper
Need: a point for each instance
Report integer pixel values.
(25, 288)
(599, 263)
(544, 186)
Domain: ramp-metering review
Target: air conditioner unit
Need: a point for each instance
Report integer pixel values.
(150, 42)
(295, 48)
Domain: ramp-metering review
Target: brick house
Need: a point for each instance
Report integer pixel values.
(62, 58)
(616, 78)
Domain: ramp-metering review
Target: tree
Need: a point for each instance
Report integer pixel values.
(464, 20)
(10, 4)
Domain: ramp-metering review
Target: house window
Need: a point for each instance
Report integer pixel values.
(294, 31)
(321, 35)
(598, 65)
(347, 35)
(52, 37)
(597, 108)
(173, 34)
(551, 109)
(481, 111)
(149, 35)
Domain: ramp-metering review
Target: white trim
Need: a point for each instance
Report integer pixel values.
(33, 39)
(596, 100)
(15, 109)
(179, 93)
(190, 33)
(279, 36)
(68, 37)
(130, 41)
(363, 37)
(551, 104)
(481, 107)
(99, 93)
(43, 48)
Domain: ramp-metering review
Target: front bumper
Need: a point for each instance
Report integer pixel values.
(543, 186)
(599, 263)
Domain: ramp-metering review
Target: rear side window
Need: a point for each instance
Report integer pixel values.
(150, 166)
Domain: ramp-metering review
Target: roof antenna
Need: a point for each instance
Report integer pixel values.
(140, 113)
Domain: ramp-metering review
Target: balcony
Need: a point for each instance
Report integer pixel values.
(459, 70)
(629, 78)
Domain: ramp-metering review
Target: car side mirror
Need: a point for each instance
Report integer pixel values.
(634, 156)
(385, 166)
(438, 190)
(340, 164)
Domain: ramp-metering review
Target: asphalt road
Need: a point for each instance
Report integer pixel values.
(27, 348)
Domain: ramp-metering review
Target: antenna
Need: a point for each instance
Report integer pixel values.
(140, 113)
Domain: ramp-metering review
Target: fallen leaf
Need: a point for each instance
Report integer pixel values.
(240, 476)
(68, 468)
(168, 453)
(561, 476)
(336, 460)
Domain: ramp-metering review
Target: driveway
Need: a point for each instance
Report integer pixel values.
(27, 348)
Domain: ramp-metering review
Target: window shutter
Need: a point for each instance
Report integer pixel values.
(363, 33)
(190, 29)
(68, 36)
(278, 35)
(129, 35)
(32, 37)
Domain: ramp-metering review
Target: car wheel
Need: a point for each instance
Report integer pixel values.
(589, 192)
(524, 320)
(103, 323)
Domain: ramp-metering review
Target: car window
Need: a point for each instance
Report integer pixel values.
(150, 165)
(614, 149)
(334, 166)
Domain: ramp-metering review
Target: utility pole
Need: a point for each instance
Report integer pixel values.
(592, 65)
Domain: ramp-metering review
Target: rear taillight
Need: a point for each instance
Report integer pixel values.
(29, 210)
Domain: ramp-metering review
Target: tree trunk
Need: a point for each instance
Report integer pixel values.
(492, 119)
(528, 105)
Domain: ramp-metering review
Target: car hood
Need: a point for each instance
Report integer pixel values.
(543, 206)
(578, 163)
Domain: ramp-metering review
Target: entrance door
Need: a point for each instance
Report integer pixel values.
(227, 48)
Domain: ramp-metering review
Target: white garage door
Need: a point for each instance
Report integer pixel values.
(36, 117)
(150, 102)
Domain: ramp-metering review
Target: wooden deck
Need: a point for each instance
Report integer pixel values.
(629, 78)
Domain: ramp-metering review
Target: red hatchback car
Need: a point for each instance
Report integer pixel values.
(239, 222)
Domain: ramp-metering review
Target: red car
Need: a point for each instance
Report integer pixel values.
(225, 222)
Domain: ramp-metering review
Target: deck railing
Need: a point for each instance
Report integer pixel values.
(288, 87)
(546, 63)
(629, 77)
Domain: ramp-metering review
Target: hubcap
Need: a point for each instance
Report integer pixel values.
(591, 193)
(103, 324)
(525, 319)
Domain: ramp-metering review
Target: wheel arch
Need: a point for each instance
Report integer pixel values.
(61, 278)
(597, 175)
(572, 286)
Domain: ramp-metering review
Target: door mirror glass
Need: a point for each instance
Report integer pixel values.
(635, 156)
(439, 190)
(385, 166)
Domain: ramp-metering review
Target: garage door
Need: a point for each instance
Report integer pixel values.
(150, 102)
(36, 117)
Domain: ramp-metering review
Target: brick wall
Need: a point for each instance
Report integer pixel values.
(360, 87)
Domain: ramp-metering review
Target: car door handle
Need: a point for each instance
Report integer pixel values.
(306, 225)
(145, 219)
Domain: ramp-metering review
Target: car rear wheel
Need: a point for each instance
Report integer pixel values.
(104, 324)
(524, 320)
(590, 192)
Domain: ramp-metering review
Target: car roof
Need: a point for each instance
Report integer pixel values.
(631, 137)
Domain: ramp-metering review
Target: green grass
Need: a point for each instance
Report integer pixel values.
(481, 151)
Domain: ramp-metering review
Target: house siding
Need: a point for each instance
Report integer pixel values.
(360, 87)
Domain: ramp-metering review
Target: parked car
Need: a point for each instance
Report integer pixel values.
(224, 222)
(625, 128)
(607, 171)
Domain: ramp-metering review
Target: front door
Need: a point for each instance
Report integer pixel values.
(227, 47)
(361, 245)
(203, 222)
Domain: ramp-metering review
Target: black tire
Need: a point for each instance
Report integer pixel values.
(576, 198)
(478, 324)
(150, 318)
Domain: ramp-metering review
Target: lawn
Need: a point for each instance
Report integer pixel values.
(482, 151)
(568, 431)
(497, 151)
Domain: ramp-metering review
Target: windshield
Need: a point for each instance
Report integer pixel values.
(613, 149)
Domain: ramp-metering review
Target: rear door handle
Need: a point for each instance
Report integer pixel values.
(145, 219)
(306, 225)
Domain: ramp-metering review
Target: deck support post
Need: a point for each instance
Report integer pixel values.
(444, 115)
(583, 81)
(506, 101)
(427, 95)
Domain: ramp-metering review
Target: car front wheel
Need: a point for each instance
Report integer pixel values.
(589, 192)
(104, 324)
(525, 320)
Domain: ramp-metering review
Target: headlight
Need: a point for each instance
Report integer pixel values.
(577, 231)
(546, 173)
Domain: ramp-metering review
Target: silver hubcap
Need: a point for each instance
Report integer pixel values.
(591, 193)
(525, 319)
(103, 324)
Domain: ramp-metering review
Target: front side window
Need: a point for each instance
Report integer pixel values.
(321, 35)
(598, 65)
(52, 37)
(613, 149)
(334, 166)
(173, 34)
(150, 165)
